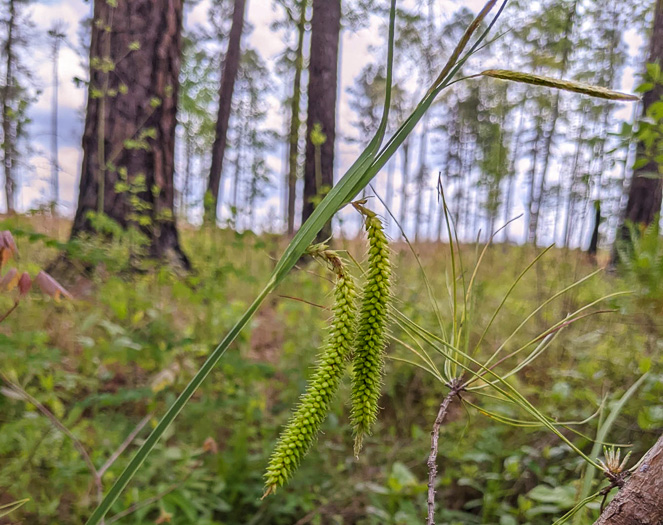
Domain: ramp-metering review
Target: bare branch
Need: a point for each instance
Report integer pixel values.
(455, 387)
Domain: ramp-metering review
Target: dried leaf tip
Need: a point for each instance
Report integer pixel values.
(565, 85)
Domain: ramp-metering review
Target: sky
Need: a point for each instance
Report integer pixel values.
(35, 187)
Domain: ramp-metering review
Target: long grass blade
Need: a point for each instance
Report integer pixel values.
(342, 193)
(11, 507)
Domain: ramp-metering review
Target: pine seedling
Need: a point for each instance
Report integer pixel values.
(298, 436)
(368, 361)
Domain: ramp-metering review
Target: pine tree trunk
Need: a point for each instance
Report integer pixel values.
(421, 177)
(184, 206)
(295, 120)
(532, 197)
(640, 501)
(549, 134)
(646, 192)
(151, 75)
(230, 68)
(511, 176)
(405, 151)
(8, 124)
(389, 197)
(594, 242)
(322, 85)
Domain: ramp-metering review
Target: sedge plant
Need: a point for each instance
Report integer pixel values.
(358, 177)
(302, 429)
(469, 372)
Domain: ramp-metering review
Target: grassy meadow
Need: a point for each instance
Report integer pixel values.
(108, 363)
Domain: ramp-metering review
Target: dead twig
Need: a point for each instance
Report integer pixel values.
(455, 388)
(124, 445)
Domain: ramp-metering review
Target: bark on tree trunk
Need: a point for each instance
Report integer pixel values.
(322, 84)
(405, 179)
(8, 123)
(594, 242)
(640, 501)
(421, 177)
(645, 194)
(230, 68)
(140, 40)
(295, 120)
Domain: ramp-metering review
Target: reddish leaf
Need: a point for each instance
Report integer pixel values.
(10, 280)
(51, 287)
(24, 283)
(210, 446)
(7, 247)
(8, 242)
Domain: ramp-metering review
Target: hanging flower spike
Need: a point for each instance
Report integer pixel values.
(368, 361)
(296, 439)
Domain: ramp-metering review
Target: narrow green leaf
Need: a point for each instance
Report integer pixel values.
(343, 192)
(11, 507)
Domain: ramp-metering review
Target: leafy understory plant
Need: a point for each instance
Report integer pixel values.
(360, 174)
(22, 283)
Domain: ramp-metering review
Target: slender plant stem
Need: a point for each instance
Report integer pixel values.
(8, 312)
(124, 445)
(432, 458)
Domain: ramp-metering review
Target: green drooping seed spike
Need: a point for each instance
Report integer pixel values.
(368, 360)
(298, 436)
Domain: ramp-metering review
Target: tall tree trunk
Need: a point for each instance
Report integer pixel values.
(571, 201)
(421, 177)
(640, 501)
(405, 151)
(295, 120)
(55, 164)
(230, 68)
(549, 134)
(511, 176)
(389, 197)
(8, 126)
(184, 200)
(151, 31)
(594, 242)
(646, 192)
(322, 84)
(57, 35)
(532, 197)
